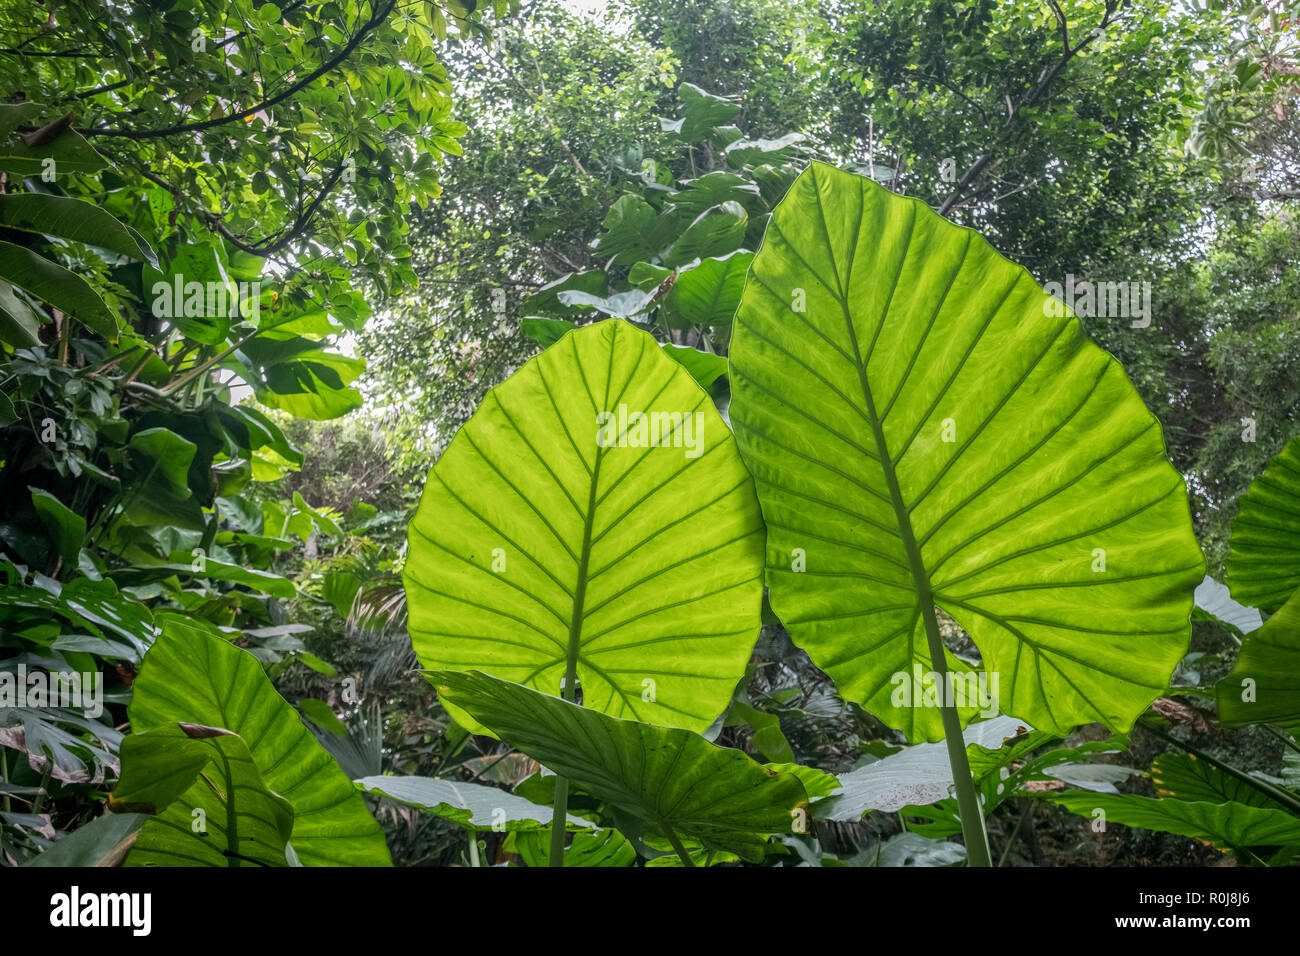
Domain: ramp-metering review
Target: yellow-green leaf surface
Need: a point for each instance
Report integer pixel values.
(925, 429)
(534, 541)
(1263, 566)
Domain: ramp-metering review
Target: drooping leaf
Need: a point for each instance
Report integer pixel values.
(1223, 824)
(632, 230)
(712, 188)
(707, 295)
(207, 801)
(702, 112)
(167, 454)
(534, 540)
(193, 677)
(817, 783)
(165, 464)
(73, 219)
(660, 775)
(716, 232)
(1264, 686)
(1263, 567)
(67, 528)
(20, 324)
(471, 805)
(924, 429)
(104, 841)
(60, 287)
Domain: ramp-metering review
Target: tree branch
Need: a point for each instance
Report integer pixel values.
(377, 17)
(1045, 80)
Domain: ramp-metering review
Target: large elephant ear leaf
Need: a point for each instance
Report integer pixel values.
(925, 427)
(561, 530)
(673, 781)
(188, 676)
(1264, 561)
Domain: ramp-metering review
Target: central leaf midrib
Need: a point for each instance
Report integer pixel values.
(901, 514)
(569, 691)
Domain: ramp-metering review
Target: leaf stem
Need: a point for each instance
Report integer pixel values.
(569, 691)
(973, 833)
(676, 843)
(972, 815)
(558, 820)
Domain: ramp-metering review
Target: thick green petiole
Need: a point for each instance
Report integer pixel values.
(676, 843)
(559, 820)
(973, 833)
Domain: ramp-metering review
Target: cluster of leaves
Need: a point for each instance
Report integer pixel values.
(675, 252)
(196, 200)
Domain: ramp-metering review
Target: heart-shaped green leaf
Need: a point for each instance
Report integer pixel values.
(560, 530)
(708, 294)
(192, 677)
(673, 780)
(1264, 561)
(924, 429)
